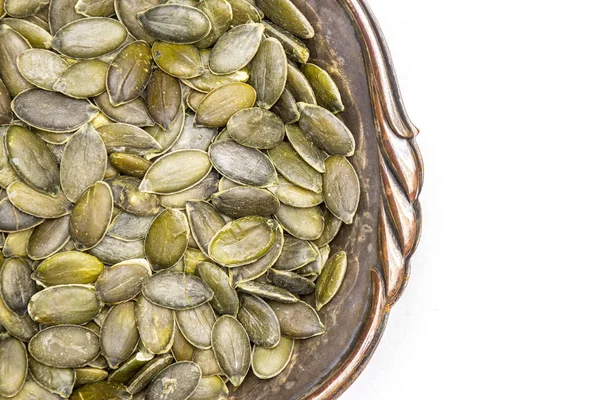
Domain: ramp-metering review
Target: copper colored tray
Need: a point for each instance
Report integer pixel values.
(350, 45)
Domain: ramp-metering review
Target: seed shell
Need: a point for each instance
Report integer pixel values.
(176, 382)
(112, 251)
(130, 367)
(65, 304)
(259, 321)
(289, 164)
(298, 320)
(245, 201)
(291, 282)
(91, 216)
(182, 349)
(130, 227)
(303, 223)
(23, 8)
(341, 188)
(129, 73)
(134, 113)
(268, 363)
(256, 128)
(69, 267)
(11, 45)
(163, 96)
(325, 88)
(156, 326)
(48, 238)
(205, 222)
(128, 138)
(175, 23)
(201, 191)
(231, 346)
(310, 153)
(101, 391)
(129, 198)
(167, 239)
(183, 61)
(23, 328)
(176, 172)
(242, 164)
(16, 287)
(176, 290)
(123, 281)
(285, 14)
(294, 48)
(95, 8)
(326, 130)
(331, 279)
(210, 388)
(223, 102)
(268, 74)
(244, 12)
(225, 300)
(13, 366)
(60, 13)
(196, 325)
(89, 37)
(41, 68)
(144, 376)
(127, 11)
(59, 381)
(53, 346)
(220, 15)
(14, 220)
(267, 291)
(119, 335)
(245, 39)
(207, 362)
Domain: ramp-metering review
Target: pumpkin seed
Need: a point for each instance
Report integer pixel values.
(130, 164)
(123, 281)
(119, 335)
(127, 11)
(127, 138)
(113, 251)
(207, 81)
(148, 372)
(59, 381)
(91, 216)
(295, 196)
(313, 269)
(53, 138)
(220, 15)
(176, 382)
(256, 128)
(167, 239)
(100, 361)
(210, 388)
(23, 328)
(294, 168)
(299, 86)
(41, 68)
(231, 346)
(101, 391)
(196, 325)
(259, 321)
(242, 164)
(286, 108)
(269, 72)
(37, 36)
(176, 290)
(291, 282)
(36, 203)
(341, 188)
(225, 184)
(129, 73)
(7, 173)
(156, 326)
(182, 349)
(15, 244)
(303, 223)
(89, 37)
(167, 138)
(244, 12)
(65, 304)
(60, 13)
(223, 102)
(331, 279)
(326, 130)
(207, 362)
(134, 113)
(23, 8)
(54, 346)
(129, 198)
(14, 220)
(205, 222)
(130, 367)
(268, 363)
(163, 96)
(13, 365)
(298, 320)
(5, 111)
(194, 138)
(70, 267)
(95, 8)
(176, 172)
(326, 91)
(285, 14)
(11, 45)
(245, 39)
(294, 48)
(130, 227)
(182, 61)
(296, 253)
(225, 300)
(267, 291)
(48, 238)
(194, 98)
(175, 23)
(201, 191)
(310, 153)
(332, 227)
(32, 390)
(245, 201)
(16, 287)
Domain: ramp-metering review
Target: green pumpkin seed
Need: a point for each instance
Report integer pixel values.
(130, 164)
(48, 238)
(119, 335)
(23, 8)
(242, 164)
(310, 153)
(312, 270)
(36, 203)
(285, 14)
(331, 279)
(194, 138)
(130, 367)
(326, 91)
(269, 72)
(130, 227)
(129, 73)
(53, 346)
(223, 102)
(163, 96)
(326, 130)
(201, 191)
(341, 188)
(303, 223)
(291, 282)
(59, 381)
(60, 13)
(53, 138)
(295, 196)
(298, 320)
(266, 291)
(205, 222)
(207, 362)
(95, 8)
(99, 362)
(223, 136)
(156, 326)
(196, 325)
(127, 138)
(123, 281)
(11, 45)
(225, 300)
(16, 286)
(294, 168)
(176, 172)
(15, 244)
(259, 321)
(258, 268)
(207, 81)
(167, 138)
(134, 113)
(91, 216)
(194, 98)
(182, 349)
(256, 128)
(294, 48)
(268, 363)
(299, 86)
(182, 61)
(245, 201)
(245, 39)
(175, 23)
(32, 390)
(101, 391)
(7, 173)
(14, 220)
(37, 36)
(113, 251)
(231, 346)
(220, 14)
(225, 184)
(89, 37)
(129, 198)
(210, 388)
(41, 68)
(127, 11)
(88, 375)
(65, 304)
(13, 366)
(244, 12)
(176, 290)
(167, 239)
(23, 328)
(143, 378)
(70, 267)
(296, 254)
(332, 227)
(5, 111)
(176, 382)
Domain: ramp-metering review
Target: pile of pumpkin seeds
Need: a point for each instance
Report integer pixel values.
(172, 174)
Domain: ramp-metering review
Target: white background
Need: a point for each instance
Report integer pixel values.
(504, 299)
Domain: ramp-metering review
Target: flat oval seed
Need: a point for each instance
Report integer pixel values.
(48, 238)
(11, 45)
(83, 79)
(182, 61)
(37, 203)
(210, 388)
(196, 325)
(60, 113)
(119, 335)
(91, 216)
(225, 300)
(268, 363)
(267, 291)
(14, 220)
(303, 223)
(59, 381)
(130, 367)
(130, 227)
(341, 188)
(222, 103)
(176, 382)
(268, 74)
(295, 196)
(245, 201)
(127, 138)
(310, 153)
(194, 138)
(207, 362)
(298, 320)
(89, 37)
(42, 68)
(245, 39)
(8, 174)
(156, 326)
(134, 113)
(129, 198)
(244, 12)
(32, 390)
(175, 23)
(70, 267)
(294, 168)
(13, 365)
(123, 281)
(113, 251)
(201, 191)
(286, 108)
(207, 81)
(55, 346)
(299, 86)
(167, 239)
(294, 48)
(129, 73)
(167, 138)
(326, 91)
(163, 96)
(296, 253)
(89, 375)
(130, 164)
(23, 8)
(84, 148)
(176, 172)
(256, 128)
(143, 378)
(23, 328)
(205, 222)
(285, 14)
(16, 286)
(242, 164)
(291, 282)
(95, 8)
(220, 15)
(231, 346)
(101, 391)
(242, 241)
(182, 349)
(60, 13)
(326, 130)
(259, 321)
(331, 279)
(332, 227)
(5, 111)
(127, 11)
(176, 290)
(65, 304)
